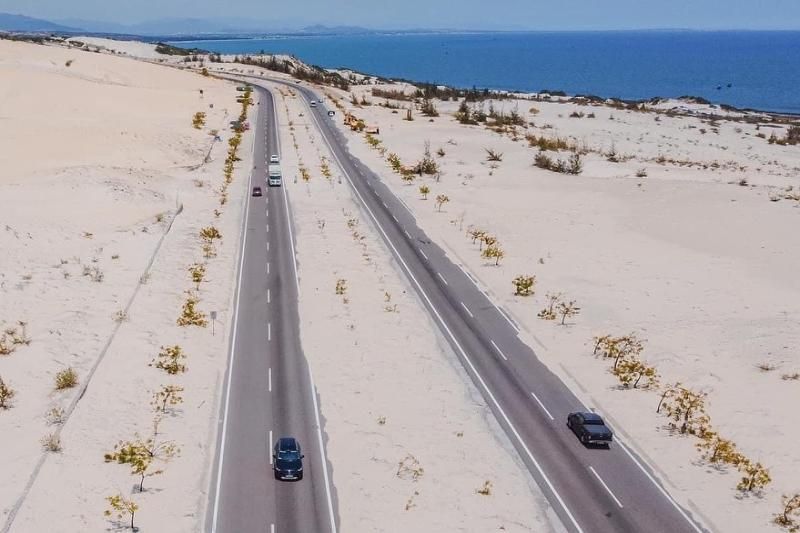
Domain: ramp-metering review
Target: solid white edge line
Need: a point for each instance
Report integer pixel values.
(455, 342)
(467, 310)
(442, 278)
(659, 487)
(223, 437)
(542, 405)
(423, 253)
(498, 350)
(605, 486)
(322, 451)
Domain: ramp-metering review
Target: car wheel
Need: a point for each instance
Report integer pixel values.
(300, 476)
(277, 476)
(584, 439)
(569, 423)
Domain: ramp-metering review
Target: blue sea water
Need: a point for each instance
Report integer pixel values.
(749, 69)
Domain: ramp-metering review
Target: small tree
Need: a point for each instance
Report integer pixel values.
(668, 392)
(6, 394)
(548, 313)
(141, 454)
(493, 251)
(789, 519)
(209, 234)
(524, 285)
(198, 272)
(631, 371)
(488, 240)
(441, 199)
(190, 316)
(424, 190)
(341, 287)
(170, 360)
(168, 395)
(567, 309)
(687, 411)
(199, 120)
(476, 234)
(715, 449)
(121, 507)
(755, 476)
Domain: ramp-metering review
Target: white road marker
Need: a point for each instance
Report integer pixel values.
(407, 233)
(272, 528)
(269, 377)
(384, 205)
(269, 445)
(269, 296)
(267, 267)
(395, 218)
(423, 253)
(267, 227)
(605, 486)
(467, 310)
(442, 278)
(499, 350)
(268, 246)
(269, 331)
(658, 486)
(322, 452)
(223, 436)
(542, 406)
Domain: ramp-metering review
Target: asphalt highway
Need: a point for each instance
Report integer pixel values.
(592, 490)
(268, 391)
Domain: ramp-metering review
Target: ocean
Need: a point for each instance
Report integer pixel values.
(747, 69)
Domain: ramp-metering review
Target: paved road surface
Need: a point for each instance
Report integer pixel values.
(592, 490)
(268, 391)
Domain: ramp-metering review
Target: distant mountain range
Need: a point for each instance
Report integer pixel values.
(9, 22)
(170, 27)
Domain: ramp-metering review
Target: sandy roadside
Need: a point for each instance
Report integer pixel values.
(391, 390)
(101, 154)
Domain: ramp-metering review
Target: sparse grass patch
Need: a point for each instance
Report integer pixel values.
(486, 489)
(6, 394)
(170, 360)
(66, 379)
(51, 443)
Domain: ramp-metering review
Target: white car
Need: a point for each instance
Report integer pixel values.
(313, 103)
(274, 159)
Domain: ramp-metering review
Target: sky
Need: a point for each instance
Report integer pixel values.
(456, 14)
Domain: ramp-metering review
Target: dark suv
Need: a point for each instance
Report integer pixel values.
(287, 459)
(589, 428)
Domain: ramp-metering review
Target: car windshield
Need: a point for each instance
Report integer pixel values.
(593, 422)
(288, 455)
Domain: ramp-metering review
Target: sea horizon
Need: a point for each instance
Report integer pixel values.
(747, 69)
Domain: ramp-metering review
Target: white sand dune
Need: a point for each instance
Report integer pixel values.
(97, 156)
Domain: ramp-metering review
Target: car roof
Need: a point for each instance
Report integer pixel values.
(288, 443)
(591, 416)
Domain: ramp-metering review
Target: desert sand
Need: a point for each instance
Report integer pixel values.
(698, 256)
(104, 187)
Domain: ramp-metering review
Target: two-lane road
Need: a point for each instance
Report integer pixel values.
(268, 392)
